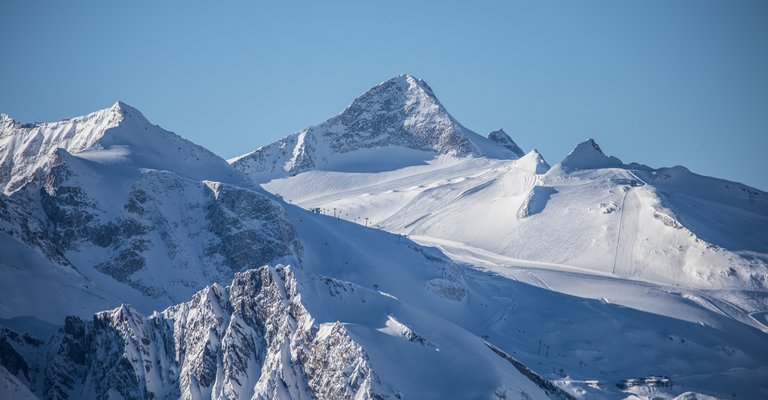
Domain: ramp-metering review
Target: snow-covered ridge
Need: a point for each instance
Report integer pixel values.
(119, 134)
(401, 112)
(588, 155)
(661, 225)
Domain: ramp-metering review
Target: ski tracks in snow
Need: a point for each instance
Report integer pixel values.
(624, 260)
(539, 282)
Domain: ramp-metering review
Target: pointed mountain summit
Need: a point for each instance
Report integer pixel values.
(533, 162)
(116, 135)
(501, 137)
(400, 113)
(588, 155)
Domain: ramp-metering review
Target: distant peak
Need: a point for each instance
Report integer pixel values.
(120, 106)
(534, 162)
(588, 155)
(591, 142)
(412, 80)
(501, 137)
(125, 110)
(499, 134)
(393, 100)
(404, 83)
(586, 147)
(406, 78)
(6, 119)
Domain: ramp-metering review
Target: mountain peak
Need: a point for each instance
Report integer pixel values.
(533, 162)
(401, 113)
(415, 83)
(588, 146)
(117, 134)
(395, 94)
(124, 110)
(588, 155)
(6, 121)
(591, 142)
(502, 138)
(121, 107)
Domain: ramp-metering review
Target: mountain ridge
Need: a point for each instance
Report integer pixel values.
(119, 134)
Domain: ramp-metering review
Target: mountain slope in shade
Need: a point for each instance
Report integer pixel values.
(116, 135)
(501, 137)
(588, 155)
(401, 115)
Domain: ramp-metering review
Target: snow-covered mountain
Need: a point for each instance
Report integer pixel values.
(129, 214)
(665, 227)
(116, 135)
(493, 275)
(589, 211)
(398, 121)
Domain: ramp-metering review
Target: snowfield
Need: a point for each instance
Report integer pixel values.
(387, 253)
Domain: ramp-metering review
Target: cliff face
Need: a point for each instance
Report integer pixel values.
(253, 339)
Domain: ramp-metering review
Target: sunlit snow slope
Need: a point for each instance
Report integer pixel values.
(590, 215)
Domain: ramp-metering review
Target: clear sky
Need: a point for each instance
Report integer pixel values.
(657, 82)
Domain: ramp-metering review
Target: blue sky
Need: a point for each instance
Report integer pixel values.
(657, 82)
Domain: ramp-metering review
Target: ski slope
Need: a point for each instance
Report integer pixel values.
(596, 219)
(598, 326)
(584, 225)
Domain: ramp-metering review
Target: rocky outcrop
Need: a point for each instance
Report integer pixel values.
(253, 339)
(156, 222)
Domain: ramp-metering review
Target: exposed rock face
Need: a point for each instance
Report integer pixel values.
(21, 355)
(147, 225)
(402, 111)
(20, 221)
(253, 339)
